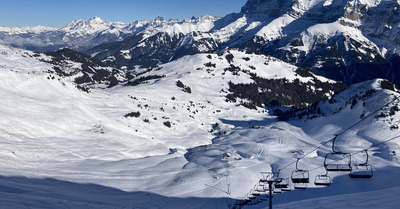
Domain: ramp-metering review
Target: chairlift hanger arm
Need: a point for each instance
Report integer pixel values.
(297, 162)
(366, 152)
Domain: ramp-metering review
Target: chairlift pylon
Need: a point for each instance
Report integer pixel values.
(323, 179)
(337, 161)
(362, 170)
(300, 178)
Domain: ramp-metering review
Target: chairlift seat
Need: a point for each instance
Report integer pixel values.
(283, 183)
(300, 185)
(338, 167)
(322, 180)
(338, 161)
(300, 176)
(255, 193)
(361, 172)
(260, 188)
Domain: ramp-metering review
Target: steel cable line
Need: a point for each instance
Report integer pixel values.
(344, 131)
(375, 145)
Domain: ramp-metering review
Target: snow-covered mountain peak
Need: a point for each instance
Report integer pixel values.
(92, 25)
(159, 19)
(176, 27)
(96, 19)
(207, 18)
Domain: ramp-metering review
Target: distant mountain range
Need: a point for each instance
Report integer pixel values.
(81, 35)
(346, 40)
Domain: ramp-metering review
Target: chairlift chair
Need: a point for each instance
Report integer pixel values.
(337, 161)
(287, 189)
(300, 176)
(261, 188)
(363, 170)
(323, 180)
(255, 193)
(281, 183)
(277, 191)
(300, 186)
(284, 183)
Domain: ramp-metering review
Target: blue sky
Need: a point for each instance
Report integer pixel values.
(58, 13)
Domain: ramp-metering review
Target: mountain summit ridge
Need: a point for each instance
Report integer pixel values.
(338, 39)
(82, 35)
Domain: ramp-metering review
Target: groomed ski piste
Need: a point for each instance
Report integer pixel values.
(65, 148)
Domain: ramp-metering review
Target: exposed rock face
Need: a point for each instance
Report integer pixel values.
(347, 40)
(272, 8)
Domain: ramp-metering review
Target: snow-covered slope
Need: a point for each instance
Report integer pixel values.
(173, 140)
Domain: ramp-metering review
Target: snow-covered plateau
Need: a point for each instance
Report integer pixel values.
(173, 140)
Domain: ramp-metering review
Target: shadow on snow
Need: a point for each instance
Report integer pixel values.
(23, 192)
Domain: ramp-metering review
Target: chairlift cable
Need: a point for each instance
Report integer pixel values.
(375, 145)
(347, 129)
(364, 118)
(344, 131)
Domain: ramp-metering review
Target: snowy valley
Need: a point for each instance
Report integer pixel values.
(215, 104)
(159, 140)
